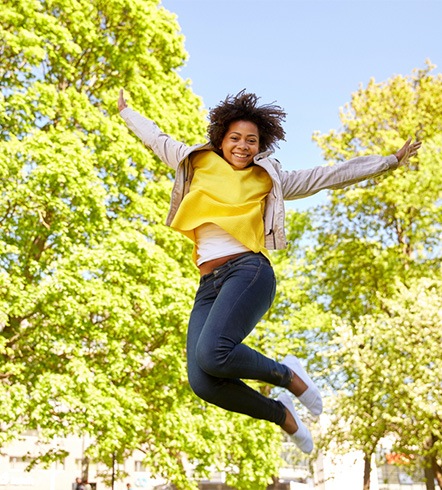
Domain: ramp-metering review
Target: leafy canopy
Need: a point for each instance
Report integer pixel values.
(95, 291)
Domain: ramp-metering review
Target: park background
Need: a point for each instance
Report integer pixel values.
(95, 291)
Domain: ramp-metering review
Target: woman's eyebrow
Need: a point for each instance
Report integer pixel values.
(247, 135)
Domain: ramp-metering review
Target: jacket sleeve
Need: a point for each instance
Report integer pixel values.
(168, 150)
(302, 183)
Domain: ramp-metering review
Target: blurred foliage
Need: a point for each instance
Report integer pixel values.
(376, 267)
(95, 291)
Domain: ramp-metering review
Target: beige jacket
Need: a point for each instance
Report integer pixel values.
(287, 185)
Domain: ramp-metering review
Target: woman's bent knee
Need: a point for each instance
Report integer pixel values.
(210, 363)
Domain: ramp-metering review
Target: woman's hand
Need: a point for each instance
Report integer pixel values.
(121, 102)
(407, 151)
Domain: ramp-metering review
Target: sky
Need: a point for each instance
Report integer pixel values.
(307, 56)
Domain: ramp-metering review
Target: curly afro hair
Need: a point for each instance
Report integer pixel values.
(244, 107)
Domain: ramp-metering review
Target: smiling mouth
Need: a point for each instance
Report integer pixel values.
(240, 156)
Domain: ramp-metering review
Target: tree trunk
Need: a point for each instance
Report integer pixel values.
(429, 478)
(437, 472)
(367, 471)
(85, 469)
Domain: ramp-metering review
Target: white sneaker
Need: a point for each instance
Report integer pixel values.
(311, 398)
(302, 437)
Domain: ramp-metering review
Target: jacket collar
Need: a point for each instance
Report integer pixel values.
(262, 155)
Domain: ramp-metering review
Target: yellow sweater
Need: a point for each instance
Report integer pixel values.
(231, 198)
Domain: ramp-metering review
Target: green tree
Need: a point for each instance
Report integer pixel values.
(382, 231)
(388, 227)
(95, 291)
(393, 369)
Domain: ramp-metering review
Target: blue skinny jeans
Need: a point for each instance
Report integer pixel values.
(229, 303)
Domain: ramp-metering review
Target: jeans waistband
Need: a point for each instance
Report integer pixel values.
(232, 262)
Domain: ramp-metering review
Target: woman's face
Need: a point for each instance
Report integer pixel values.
(240, 144)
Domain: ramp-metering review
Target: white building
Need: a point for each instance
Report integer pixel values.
(61, 476)
(330, 472)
